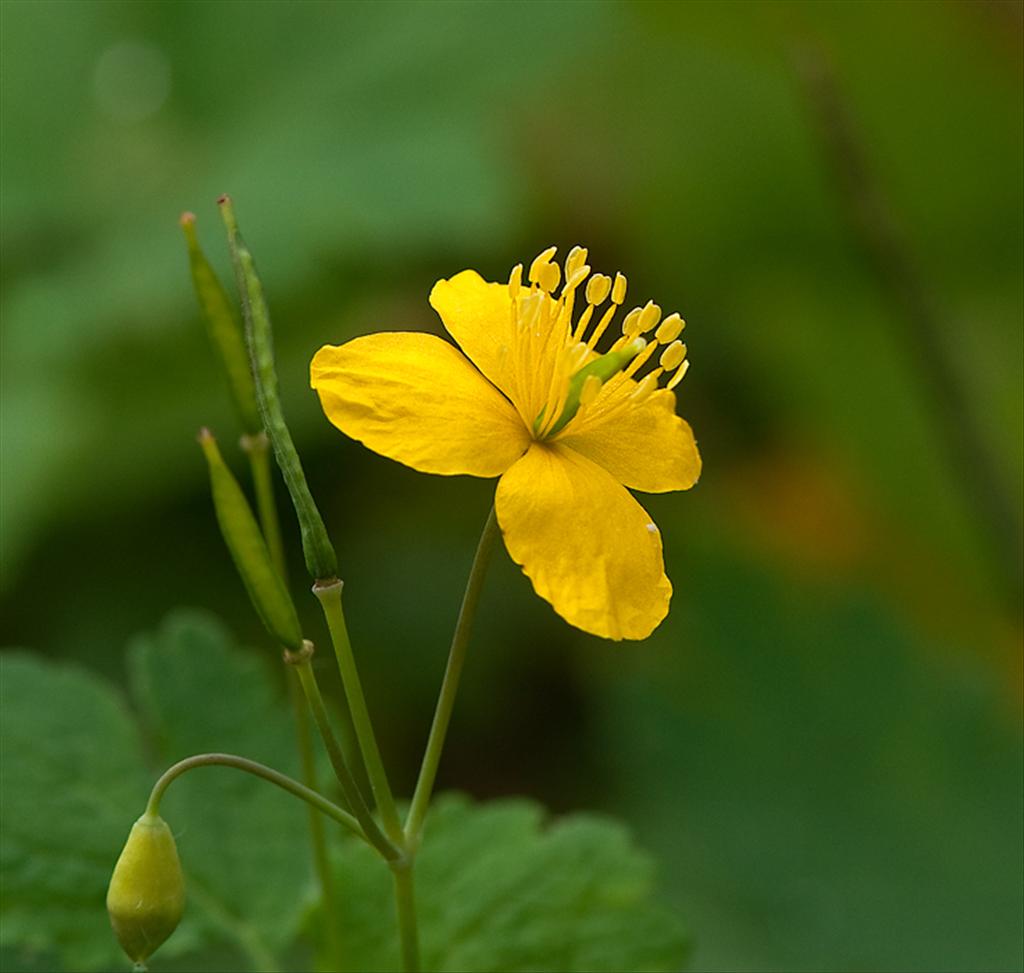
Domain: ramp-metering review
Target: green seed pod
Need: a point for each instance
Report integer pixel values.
(249, 551)
(146, 897)
(321, 560)
(224, 329)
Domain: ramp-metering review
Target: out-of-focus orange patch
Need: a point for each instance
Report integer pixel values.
(798, 508)
(807, 513)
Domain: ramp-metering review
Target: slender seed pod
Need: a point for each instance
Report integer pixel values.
(321, 560)
(146, 897)
(224, 329)
(249, 550)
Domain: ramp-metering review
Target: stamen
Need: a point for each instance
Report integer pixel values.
(619, 289)
(542, 258)
(543, 272)
(576, 259)
(672, 355)
(642, 359)
(576, 277)
(631, 323)
(598, 288)
(678, 377)
(581, 325)
(670, 329)
(602, 326)
(649, 317)
(515, 281)
(645, 388)
(591, 387)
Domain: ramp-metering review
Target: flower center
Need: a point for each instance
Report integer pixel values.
(560, 373)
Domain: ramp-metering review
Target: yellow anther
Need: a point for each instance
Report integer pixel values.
(544, 257)
(649, 317)
(672, 355)
(670, 329)
(647, 385)
(631, 322)
(548, 277)
(540, 272)
(678, 377)
(591, 387)
(515, 281)
(619, 289)
(576, 259)
(574, 279)
(598, 288)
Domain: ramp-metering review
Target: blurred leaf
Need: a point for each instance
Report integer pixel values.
(499, 889)
(832, 792)
(243, 844)
(73, 782)
(75, 779)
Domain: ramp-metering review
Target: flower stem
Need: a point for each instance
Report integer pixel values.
(450, 685)
(268, 774)
(257, 448)
(405, 904)
(390, 851)
(317, 838)
(329, 596)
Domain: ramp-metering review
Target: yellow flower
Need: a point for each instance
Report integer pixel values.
(566, 427)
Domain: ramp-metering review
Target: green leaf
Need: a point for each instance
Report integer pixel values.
(243, 844)
(499, 889)
(73, 782)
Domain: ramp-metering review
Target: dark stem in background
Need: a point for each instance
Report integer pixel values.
(886, 250)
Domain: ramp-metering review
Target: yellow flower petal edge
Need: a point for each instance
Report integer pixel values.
(414, 398)
(647, 448)
(585, 544)
(478, 316)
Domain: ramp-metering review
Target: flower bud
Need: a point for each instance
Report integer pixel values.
(147, 890)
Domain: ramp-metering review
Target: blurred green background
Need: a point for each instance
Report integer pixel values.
(822, 744)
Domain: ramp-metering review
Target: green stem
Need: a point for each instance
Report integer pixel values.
(450, 685)
(329, 596)
(390, 851)
(405, 905)
(268, 774)
(317, 838)
(257, 448)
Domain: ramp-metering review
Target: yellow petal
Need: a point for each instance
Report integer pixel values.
(647, 447)
(416, 399)
(586, 545)
(478, 315)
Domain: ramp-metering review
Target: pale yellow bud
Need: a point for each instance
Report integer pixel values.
(146, 897)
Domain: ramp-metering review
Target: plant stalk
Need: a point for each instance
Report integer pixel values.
(405, 905)
(329, 596)
(450, 684)
(268, 774)
(390, 851)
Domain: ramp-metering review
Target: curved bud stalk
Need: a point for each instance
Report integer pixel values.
(249, 551)
(146, 897)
